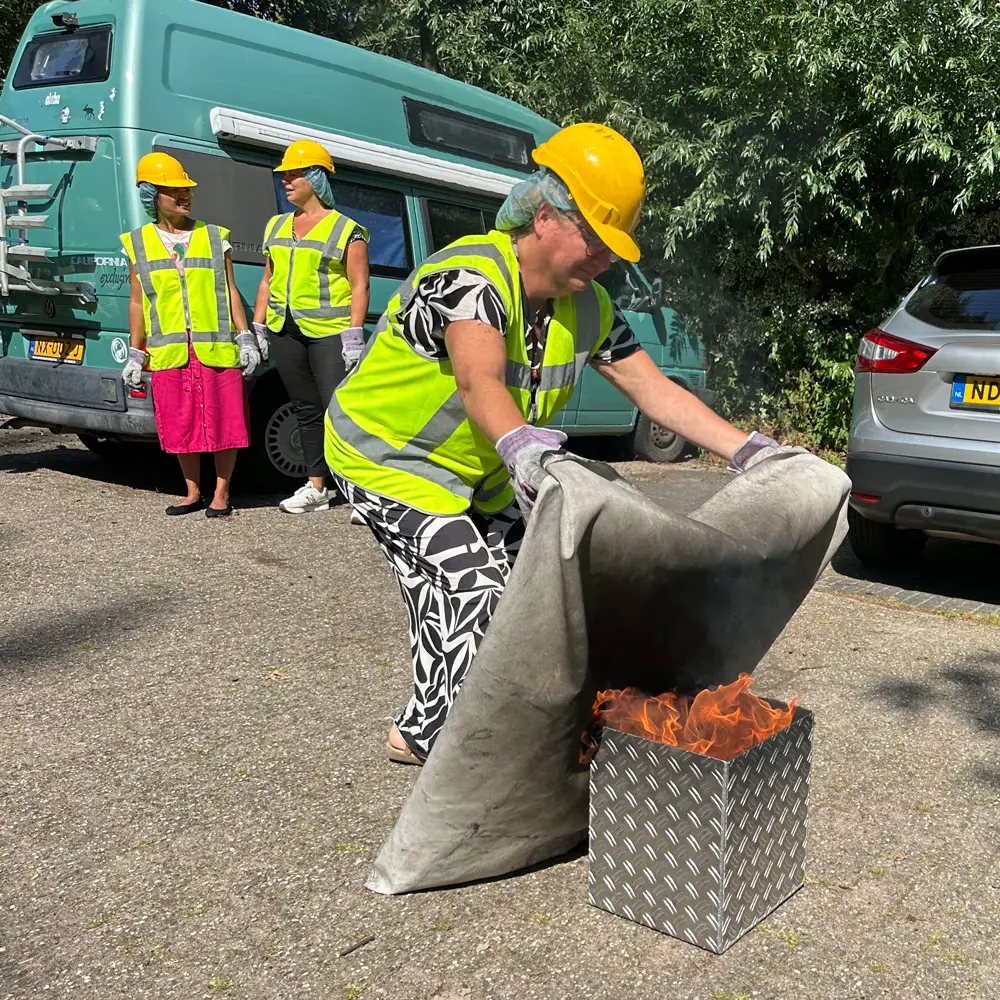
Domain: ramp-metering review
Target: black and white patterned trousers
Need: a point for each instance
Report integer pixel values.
(451, 573)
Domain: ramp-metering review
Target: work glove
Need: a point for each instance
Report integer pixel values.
(522, 451)
(246, 340)
(756, 448)
(352, 343)
(132, 372)
(262, 345)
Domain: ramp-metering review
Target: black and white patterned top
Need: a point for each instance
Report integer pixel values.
(461, 294)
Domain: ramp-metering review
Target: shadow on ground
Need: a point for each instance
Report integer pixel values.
(947, 567)
(968, 688)
(147, 468)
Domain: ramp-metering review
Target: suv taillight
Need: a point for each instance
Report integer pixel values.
(882, 352)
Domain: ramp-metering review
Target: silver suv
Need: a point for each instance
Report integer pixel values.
(924, 448)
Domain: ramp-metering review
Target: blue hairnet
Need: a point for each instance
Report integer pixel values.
(147, 195)
(319, 181)
(525, 197)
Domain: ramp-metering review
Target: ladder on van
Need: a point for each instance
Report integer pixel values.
(17, 253)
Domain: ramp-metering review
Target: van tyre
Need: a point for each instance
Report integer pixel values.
(273, 462)
(654, 443)
(882, 546)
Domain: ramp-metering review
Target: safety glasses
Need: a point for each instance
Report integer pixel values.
(595, 245)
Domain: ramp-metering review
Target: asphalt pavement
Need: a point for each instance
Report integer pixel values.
(192, 728)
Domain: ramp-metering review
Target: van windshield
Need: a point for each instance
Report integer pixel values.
(82, 56)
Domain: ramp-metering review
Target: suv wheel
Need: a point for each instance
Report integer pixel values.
(655, 443)
(882, 545)
(275, 454)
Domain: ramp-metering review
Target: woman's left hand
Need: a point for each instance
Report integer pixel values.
(249, 352)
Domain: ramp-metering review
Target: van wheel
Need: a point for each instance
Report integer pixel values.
(274, 459)
(882, 546)
(654, 443)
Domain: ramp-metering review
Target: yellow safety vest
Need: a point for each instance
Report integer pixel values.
(309, 274)
(173, 303)
(397, 426)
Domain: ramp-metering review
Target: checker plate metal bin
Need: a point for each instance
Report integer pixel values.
(698, 848)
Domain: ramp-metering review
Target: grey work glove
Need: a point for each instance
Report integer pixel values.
(262, 345)
(522, 451)
(132, 372)
(756, 448)
(352, 343)
(246, 341)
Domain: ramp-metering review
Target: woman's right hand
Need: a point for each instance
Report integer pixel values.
(132, 372)
(262, 345)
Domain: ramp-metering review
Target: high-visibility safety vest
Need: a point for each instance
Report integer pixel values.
(397, 426)
(308, 275)
(173, 303)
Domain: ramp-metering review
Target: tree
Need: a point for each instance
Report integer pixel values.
(14, 15)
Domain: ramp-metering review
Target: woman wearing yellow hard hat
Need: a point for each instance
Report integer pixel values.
(436, 438)
(311, 304)
(185, 313)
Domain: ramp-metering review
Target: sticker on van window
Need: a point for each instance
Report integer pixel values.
(112, 95)
(52, 98)
(64, 115)
(100, 111)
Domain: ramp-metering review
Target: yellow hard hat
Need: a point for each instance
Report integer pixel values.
(605, 177)
(162, 170)
(305, 153)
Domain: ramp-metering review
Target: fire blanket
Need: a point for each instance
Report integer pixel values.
(610, 590)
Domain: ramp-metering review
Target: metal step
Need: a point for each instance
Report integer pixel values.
(26, 250)
(25, 192)
(27, 222)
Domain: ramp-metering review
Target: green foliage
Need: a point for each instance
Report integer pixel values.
(14, 16)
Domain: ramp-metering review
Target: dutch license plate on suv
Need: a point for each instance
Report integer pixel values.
(65, 349)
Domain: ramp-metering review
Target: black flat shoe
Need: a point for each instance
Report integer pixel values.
(215, 512)
(186, 508)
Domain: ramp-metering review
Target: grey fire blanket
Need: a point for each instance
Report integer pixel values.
(609, 590)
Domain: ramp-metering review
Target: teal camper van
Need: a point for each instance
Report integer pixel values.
(421, 160)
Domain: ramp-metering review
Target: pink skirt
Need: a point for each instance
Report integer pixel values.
(200, 408)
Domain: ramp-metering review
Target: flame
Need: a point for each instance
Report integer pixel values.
(720, 723)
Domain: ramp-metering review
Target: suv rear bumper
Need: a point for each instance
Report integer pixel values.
(927, 494)
(74, 398)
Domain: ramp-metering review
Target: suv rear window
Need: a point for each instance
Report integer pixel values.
(80, 56)
(961, 293)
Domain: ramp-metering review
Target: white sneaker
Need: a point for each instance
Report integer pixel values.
(356, 518)
(305, 500)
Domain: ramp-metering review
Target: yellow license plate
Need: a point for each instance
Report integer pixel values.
(69, 350)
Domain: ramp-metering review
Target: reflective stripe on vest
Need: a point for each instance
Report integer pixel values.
(397, 426)
(201, 292)
(309, 273)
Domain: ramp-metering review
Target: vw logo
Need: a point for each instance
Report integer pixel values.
(50, 307)
(119, 350)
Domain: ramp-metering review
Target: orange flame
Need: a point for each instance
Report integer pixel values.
(720, 723)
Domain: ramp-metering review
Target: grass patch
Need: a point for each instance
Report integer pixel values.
(881, 968)
(220, 984)
(924, 808)
(729, 995)
(196, 910)
(351, 847)
(790, 938)
(353, 990)
(956, 956)
(275, 674)
(877, 870)
(443, 924)
(536, 918)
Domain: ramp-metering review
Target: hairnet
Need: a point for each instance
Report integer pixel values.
(147, 195)
(319, 181)
(525, 197)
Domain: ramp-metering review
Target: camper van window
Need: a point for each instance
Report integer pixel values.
(440, 128)
(382, 212)
(81, 57)
(447, 222)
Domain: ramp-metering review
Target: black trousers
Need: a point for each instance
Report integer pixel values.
(311, 368)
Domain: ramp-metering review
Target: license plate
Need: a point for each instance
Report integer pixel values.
(69, 350)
